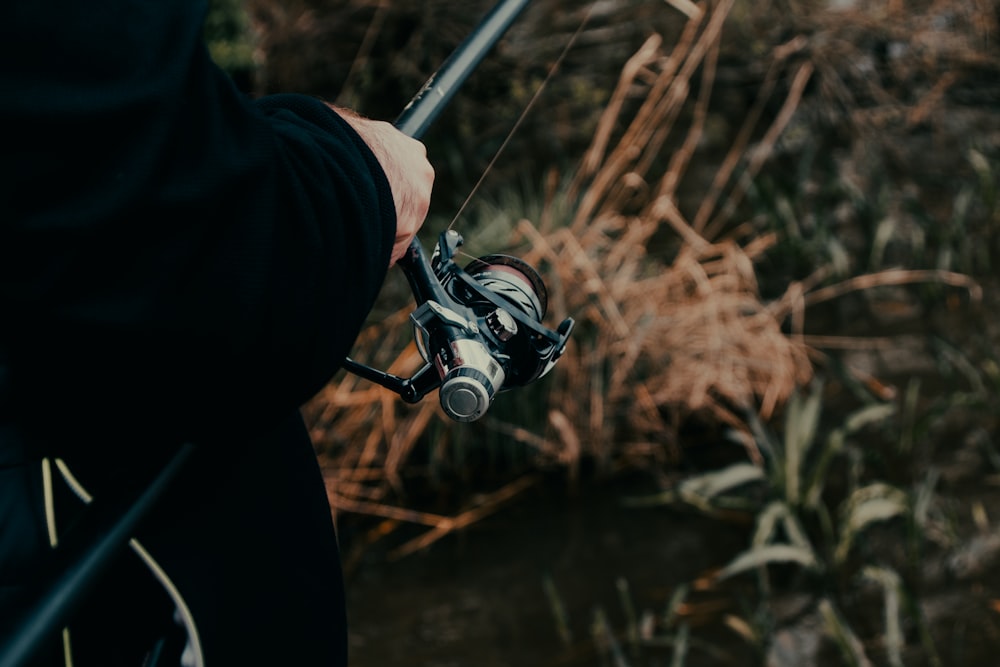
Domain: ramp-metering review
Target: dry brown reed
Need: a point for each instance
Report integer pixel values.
(661, 335)
(688, 335)
(657, 338)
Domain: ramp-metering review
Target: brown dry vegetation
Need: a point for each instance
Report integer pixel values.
(667, 118)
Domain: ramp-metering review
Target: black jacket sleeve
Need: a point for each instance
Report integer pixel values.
(172, 254)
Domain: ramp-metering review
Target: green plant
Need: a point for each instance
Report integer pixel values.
(802, 527)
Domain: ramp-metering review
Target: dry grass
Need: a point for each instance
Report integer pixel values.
(660, 338)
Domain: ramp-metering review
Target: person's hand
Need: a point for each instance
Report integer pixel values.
(410, 175)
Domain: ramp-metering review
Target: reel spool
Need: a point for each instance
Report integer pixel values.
(523, 293)
(513, 279)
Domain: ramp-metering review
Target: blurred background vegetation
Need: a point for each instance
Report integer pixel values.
(778, 227)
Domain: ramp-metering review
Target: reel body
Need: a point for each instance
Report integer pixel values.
(479, 329)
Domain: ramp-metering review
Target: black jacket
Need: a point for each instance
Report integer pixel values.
(177, 262)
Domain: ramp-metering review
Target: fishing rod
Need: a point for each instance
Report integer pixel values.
(424, 108)
(479, 328)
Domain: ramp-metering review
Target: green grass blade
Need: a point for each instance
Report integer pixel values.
(767, 521)
(700, 491)
(768, 555)
(834, 445)
(558, 610)
(680, 646)
(870, 504)
(800, 432)
(851, 649)
(674, 604)
(892, 588)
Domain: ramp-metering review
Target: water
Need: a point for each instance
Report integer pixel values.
(479, 597)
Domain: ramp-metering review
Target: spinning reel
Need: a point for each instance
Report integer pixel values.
(479, 329)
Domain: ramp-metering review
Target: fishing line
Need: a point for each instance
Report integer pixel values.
(527, 109)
